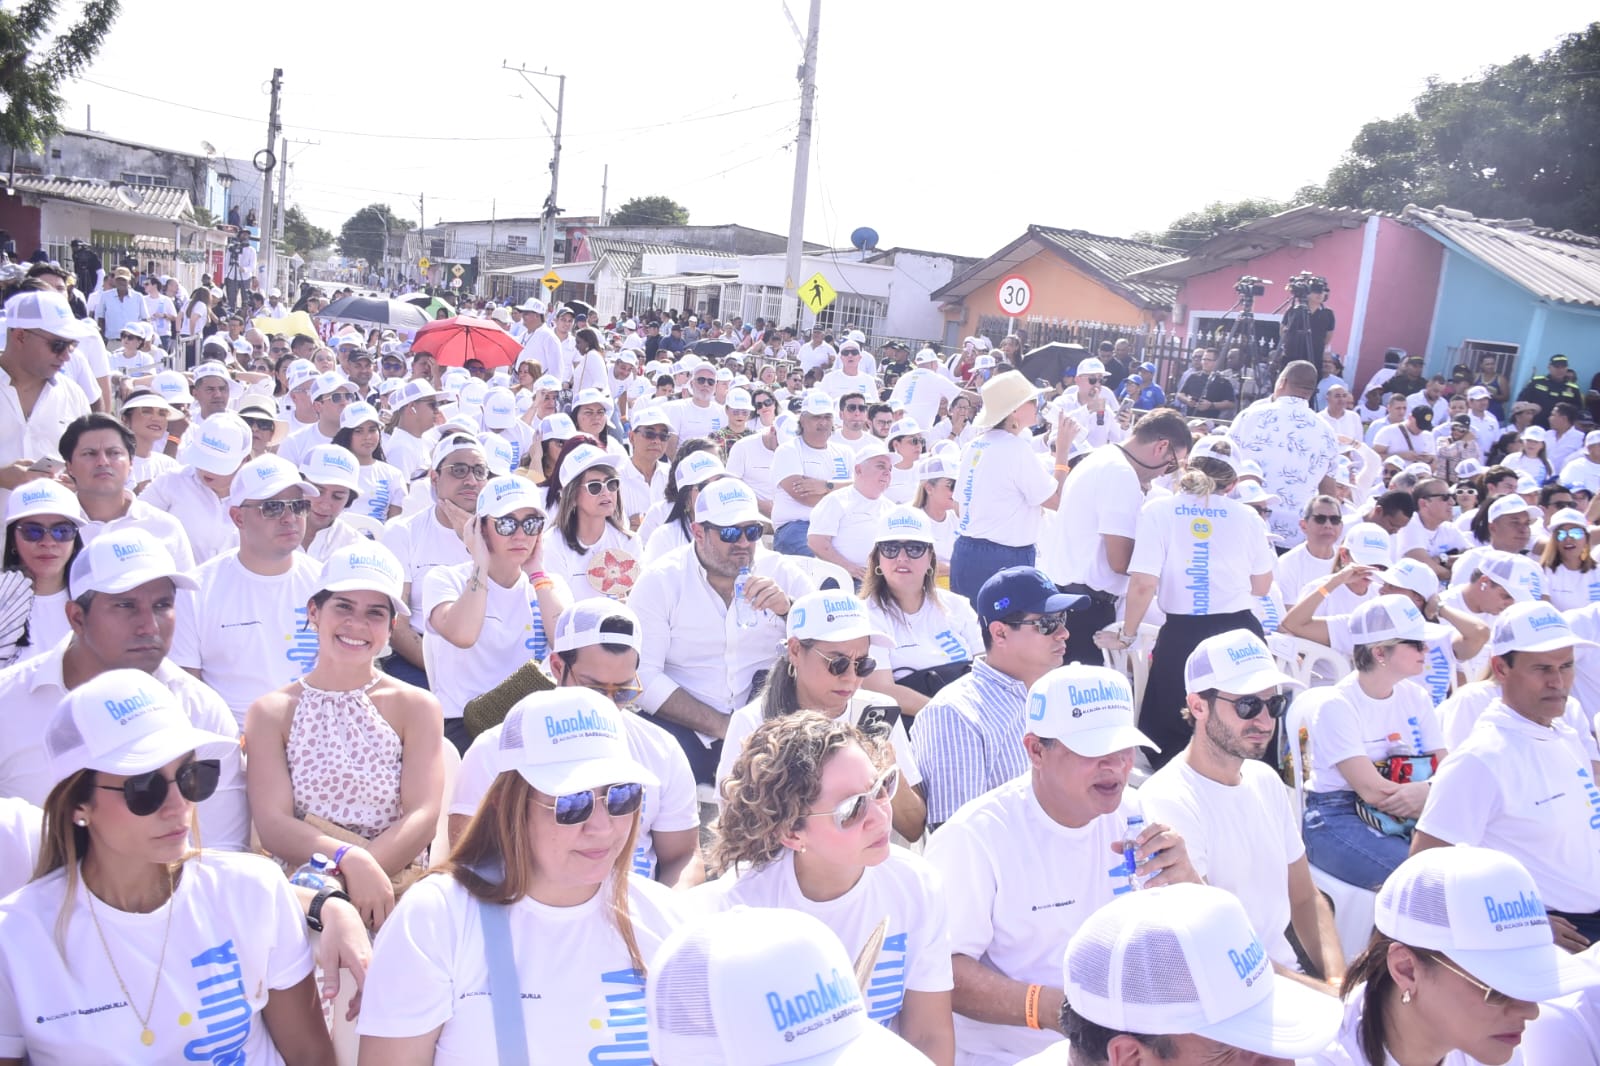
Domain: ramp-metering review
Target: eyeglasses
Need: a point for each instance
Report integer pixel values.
(145, 793)
(61, 532)
(341, 397)
(1092, 379)
(595, 488)
(1570, 533)
(703, 381)
(1248, 707)
(1491, 997)
(1466, 492)
(261, 425)
(1414, 645)
(1435, 496)
(275, 508)
(1328, 519)
(576, 807)
(920, 442)
(849, 812)
(57, 345)
(733, 534)
(838, 664)
(1046, 625)
(462, 471)
(762, 405)
(855, 407)
(506, 525)
(657, 435)
(622, 695)
(891, 549)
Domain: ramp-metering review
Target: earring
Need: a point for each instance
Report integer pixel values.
(82, 823)
(1405, 996)
(878, 570)
(791, 667)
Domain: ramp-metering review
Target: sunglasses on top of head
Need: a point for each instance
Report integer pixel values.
(849, 812)
(145, 793)
(1248, 707)
(576, 807)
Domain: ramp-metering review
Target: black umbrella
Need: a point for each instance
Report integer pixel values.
(713, 349)
(1052, 362)
(378, 312)
(578, 307)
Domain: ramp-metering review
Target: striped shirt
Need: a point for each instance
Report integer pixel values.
(968, 739)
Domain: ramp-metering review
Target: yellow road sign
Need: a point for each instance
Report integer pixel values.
(457, 270)
(551, 281)
(816, 293)
(424, 263)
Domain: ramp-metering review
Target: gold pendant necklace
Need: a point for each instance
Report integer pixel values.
(147, 1036)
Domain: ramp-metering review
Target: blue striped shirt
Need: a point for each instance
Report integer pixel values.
(968, 739)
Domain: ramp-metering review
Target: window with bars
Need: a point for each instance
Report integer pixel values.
(865, 313)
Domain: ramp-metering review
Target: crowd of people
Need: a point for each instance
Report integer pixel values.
(681, 690)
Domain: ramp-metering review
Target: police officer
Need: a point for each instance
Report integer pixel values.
(1557, 384)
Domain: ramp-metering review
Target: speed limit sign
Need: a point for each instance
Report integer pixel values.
(1014, 295)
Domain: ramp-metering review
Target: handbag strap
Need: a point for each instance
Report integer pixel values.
(505, 992)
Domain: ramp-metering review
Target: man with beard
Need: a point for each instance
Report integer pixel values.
(1230, 808)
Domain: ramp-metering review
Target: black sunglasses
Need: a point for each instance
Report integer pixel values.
(57, 345)
(595, 488)
(1046, 625)
(341, 397)
(61, 532)
(733, 534)
(275, 508)
(1248, 707)
(891, 549)
(261, 425)
(654, 434)
(576, 807)
(853, 407)
(762, 405)
(145, 793)
(838, 664)
(1328, 519)
(506, 525)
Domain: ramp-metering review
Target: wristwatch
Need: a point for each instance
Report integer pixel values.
(314, 912)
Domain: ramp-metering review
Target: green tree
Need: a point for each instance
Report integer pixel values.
(650, 211)
(370, 233)
(300, 234)
(1186, 231)
(31, 71)
(1522, 141)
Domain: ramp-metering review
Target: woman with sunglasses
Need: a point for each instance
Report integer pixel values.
(907, 444)
(43, 523)
(806, 825)
(1455, 971)
(497, 610)
(750, 458)
(536, 906)
(1571, 579)
(825, 658)
(696, 466)
(1372, 747)
(931, 635)
(130, 945)
(591, 549)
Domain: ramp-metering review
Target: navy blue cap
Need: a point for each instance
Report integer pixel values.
(1020, 590)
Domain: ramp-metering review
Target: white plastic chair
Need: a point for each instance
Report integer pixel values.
(1134, 660)
(820, 570)
(1306, 660)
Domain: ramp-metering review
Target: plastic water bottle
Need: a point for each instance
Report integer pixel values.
(1130, 844)
(316, 874)
(744, 613)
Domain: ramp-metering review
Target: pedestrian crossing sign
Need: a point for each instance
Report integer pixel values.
(816, 293)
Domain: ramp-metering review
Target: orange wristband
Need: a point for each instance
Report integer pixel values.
(1030, 1007)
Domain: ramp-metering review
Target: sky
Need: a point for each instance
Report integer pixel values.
(946, 126)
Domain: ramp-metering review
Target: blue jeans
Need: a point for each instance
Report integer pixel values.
(790, 538)
(1339, 843)
(975, 560)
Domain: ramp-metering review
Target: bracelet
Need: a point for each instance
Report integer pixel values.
(1323, 591)
(314, 912)
(1062, 468)
(536, 575)
(338, 856)
(543, 586)
(1030, 1006)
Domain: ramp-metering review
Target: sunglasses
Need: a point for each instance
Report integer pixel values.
(1046, 625)
(657, 435)
(762, 405)
(622, 695)
(261, 425)
(703, 381)
(891, 549)
(576, 807)
(1491, 996)
(57, 345)
(275, 508)
(145, 793)
(919, 442)
(595, 488)
(849, 812)
(506, 525)
(462, 471)
(1248, 707)
(734, 534)
(1091, 379)
(341, 397)
(61, 532)
(855, 407)
(838, 664)
(1466, 492)
(1328, 519)
(1570, 533)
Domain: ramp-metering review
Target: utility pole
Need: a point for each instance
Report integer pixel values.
(265, 162)
(605, 178)
(802, 164)
(422, 230)
(550, 209)
(283, 185)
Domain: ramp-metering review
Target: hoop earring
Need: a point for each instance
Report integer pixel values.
(790, 665)
(878, 570)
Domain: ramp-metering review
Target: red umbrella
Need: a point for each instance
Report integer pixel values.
(452, 341)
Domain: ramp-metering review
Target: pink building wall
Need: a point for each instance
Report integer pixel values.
(1401, 298)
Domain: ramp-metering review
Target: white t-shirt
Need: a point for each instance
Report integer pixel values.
(1434, 543)
(919, 393)
(838, 384)
(160, 525)
(504, 643)
(1017, 885)
(812, 356)
(421, 542)
(1346, 1047)
(851, 520)
(944, 631)
(298, 444)
(1239, 837)
(20, 825)
(670, 807)
(1455, 598)
(237, 933)
(1356, 725)
(1346, 425)
(406, 453)
(1568, 589)
(750, 460)
(1582, 472)
(202, 513)
(582, 999)
(47, 624)
(244, 632)
(149, 467)
(1567, 1030)
(662, 539)
(903, 888)
(747, 720)
(1297, 568)
(689, 419)
(832, 462)
(1101, 497)
(382, 486)
(639, 495)
(1099, 427)
(1001, 489)
(562, 561)
(1203, 551)
(902, 484)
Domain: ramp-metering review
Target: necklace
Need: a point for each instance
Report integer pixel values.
(146, 1036)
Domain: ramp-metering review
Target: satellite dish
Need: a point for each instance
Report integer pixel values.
(864, 238)
(128, 197)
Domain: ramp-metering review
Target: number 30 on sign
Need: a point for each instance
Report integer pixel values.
(1014, 295)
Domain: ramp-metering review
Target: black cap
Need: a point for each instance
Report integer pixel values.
(1558, 360)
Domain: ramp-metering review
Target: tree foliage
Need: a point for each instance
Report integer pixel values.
(650, 211)
(1188, 230)
(31, 71)
(370, 232)
(300, 234)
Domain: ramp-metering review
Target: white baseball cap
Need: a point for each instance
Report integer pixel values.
(1509, 504)
(1591, 438)
(535, 306)
(331, 464)
(210, 370)
(1517, 574)
(905, 427)
(1567, 516)
(219, 444)
(868, 447)
(1090, 365)
(586, 457)
(472, 393)
(557, 427)
(1414, 576)
(1369, 544)
(547, 383)
(986, 362)
(48, 312)
(739, 400)
(568, 740)
(592, 394)
(409, 393)
(1468, 468)
(1527, 484)
(366, 567)
(41, 497)
(450, 443)
(829, 615)
(697, 468)
(499, 453)
(358, 414)
(938, 464)
(121, 559)
(926, 355)
(265, 477)
(728, 502)
(123, 722)
(1481, 909)
(1533, 627)
(1184, 959)
(904, 523)
(1534, 433)
(724, 374)
(580, 625)
(1216, 447)
(173, 387)
(816, 402)
(1251, 492)
(503, 495)
(653, 414)
(299, 372)
(1237, 661)
(1392, 617)
(1478, 392)
(1087, 708)
(763, 986)
(326, 383)
(499, 408)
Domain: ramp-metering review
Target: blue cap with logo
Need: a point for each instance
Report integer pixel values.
(1019, 590)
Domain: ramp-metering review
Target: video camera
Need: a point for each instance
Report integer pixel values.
(1251, 286)
(1304, 284)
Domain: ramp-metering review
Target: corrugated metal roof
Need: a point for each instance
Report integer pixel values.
(1556, 265)
(169, 203)
(1113, 259)
(1252, 239)
(626, 257)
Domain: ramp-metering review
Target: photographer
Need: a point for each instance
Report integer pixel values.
(1307, 325)
(241, 268)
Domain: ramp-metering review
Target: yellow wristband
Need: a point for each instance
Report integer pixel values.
(1030, 1008)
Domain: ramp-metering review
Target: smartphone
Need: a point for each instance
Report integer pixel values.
(878, 719)
(48, 465)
